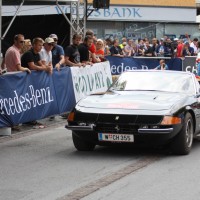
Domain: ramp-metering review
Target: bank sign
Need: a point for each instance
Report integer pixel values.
(114, 13)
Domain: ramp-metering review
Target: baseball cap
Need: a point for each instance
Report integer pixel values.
(49, 40)
(176, 39)
(54, 36)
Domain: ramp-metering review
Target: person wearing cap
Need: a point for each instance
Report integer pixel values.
(58, 58)
(45, 53)
(31, 59)
(187, 50)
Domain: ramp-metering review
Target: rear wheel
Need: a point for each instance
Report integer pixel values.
(182, 143)
(82, 145)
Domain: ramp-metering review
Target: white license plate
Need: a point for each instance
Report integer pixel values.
(115, 137)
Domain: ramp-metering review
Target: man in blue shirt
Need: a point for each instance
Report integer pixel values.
(162, 65)
(57, 53)
(187, 50)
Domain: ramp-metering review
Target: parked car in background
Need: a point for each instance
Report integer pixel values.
(141, 107)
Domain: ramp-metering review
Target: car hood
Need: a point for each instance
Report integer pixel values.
(134, 100)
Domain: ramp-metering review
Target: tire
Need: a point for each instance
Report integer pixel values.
(82, 145)
(182, 143)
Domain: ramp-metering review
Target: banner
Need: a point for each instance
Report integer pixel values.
(62, 81)
(118, 65)
(189, 64)
(91, 79)
(27, 97)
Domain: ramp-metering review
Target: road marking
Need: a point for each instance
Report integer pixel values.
(107, 180)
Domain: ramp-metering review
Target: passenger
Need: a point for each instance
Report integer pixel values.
(58, 58)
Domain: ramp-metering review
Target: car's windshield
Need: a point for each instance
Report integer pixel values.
(167, 82)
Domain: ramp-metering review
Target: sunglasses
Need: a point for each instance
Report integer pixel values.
(50, 44)
(55, 39)
(21, 42)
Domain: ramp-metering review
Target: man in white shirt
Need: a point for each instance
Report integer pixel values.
(45, 53)
(46, 56)
(193, 44)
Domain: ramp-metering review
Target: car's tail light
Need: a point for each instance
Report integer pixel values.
(170, 120)
(71, 117)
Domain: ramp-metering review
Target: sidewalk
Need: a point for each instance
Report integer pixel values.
(58, 120)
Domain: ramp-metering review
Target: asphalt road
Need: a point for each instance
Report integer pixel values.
(42, 164)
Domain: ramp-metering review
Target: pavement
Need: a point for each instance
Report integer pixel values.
(44, 124)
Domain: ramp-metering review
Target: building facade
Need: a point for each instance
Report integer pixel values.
(129, 18)
(144, 18)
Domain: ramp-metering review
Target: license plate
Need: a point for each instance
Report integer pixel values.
(115, 137)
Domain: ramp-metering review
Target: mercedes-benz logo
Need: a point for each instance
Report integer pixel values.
(117, 117)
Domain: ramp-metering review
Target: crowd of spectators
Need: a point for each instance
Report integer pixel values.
(163, 47)
(44, 55)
